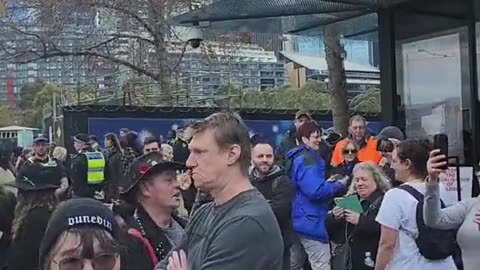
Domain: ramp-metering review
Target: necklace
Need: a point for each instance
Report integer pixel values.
(159, 249)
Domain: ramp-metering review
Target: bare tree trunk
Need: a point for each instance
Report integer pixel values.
(334, 54)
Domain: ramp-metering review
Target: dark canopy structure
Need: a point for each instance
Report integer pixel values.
(286, 16)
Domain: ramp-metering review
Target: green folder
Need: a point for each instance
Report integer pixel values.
(351, 203)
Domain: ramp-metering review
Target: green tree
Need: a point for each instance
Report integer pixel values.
(84, 94)
(367, 102)
(6, 116)
(312, 96)
(43, 99)
(28, 92)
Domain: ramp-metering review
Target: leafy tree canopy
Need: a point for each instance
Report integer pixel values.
(313, 96)
(6, 116)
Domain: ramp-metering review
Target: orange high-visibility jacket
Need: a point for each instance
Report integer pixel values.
(367, 153)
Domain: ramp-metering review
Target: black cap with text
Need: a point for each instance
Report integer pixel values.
(78, 212)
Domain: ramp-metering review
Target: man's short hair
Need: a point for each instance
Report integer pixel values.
(418, 152)
(261, 140)
(228, 129)
(149, 140)
(93, 138)
(258, 139)
(357, 118)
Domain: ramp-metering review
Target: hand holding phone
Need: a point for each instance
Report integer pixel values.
(440, 142)
(438, 161)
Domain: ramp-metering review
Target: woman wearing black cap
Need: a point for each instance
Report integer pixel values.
(37, 185)
(81, 234)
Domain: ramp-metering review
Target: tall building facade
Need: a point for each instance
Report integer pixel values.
(245, 66)
(68, 71)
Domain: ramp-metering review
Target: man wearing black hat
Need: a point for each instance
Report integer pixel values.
(41, 159)
(88, 169)
(155, 191)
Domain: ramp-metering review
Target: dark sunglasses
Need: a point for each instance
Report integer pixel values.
(350, 151)
(105, 261)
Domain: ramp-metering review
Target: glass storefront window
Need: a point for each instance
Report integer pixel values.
(433, 83)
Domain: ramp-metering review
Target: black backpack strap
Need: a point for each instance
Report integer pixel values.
(415, 193)
(375, 205)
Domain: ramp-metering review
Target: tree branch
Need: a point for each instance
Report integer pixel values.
(101, 44)
(133, 37)
(110, 5)
(37, 36)
(110, 58)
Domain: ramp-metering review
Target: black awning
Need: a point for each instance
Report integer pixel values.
(279, 16)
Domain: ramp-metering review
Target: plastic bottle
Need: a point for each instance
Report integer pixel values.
(368, 260)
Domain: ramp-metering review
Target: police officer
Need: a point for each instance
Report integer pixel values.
(41, 161)
(88, 169)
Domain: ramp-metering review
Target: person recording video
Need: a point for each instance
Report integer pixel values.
(387, 139)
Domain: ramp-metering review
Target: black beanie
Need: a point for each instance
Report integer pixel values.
(76, 213)
(391, 132)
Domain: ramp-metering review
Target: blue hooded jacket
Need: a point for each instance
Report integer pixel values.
(313, 193)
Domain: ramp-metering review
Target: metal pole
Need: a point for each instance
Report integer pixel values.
(459, 184)
(54, 120)
(474, 97)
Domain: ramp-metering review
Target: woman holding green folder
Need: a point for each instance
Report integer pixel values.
(351, 224)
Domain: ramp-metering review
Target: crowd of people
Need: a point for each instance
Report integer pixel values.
(215, 198)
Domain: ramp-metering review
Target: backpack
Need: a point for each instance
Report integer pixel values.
(434, 244)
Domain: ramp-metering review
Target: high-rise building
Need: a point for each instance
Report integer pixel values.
(245, 66)
(68, 71)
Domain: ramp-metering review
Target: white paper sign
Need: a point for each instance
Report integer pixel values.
(449, 181)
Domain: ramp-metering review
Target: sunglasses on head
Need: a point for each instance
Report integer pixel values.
(104, 261)
(350, 151)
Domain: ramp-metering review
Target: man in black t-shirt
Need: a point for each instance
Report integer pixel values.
(238, 230)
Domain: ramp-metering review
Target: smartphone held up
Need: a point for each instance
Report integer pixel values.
(440, 141)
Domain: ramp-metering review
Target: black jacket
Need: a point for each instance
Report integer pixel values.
(277, 188)
(113, 172)
(180, 150)
(26, 243)
(7, 206)
(363, 237)
(288, 142)
(137, 255)
(5, 242)
(344, 169)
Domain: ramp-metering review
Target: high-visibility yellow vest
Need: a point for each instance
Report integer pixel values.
(96, 167)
